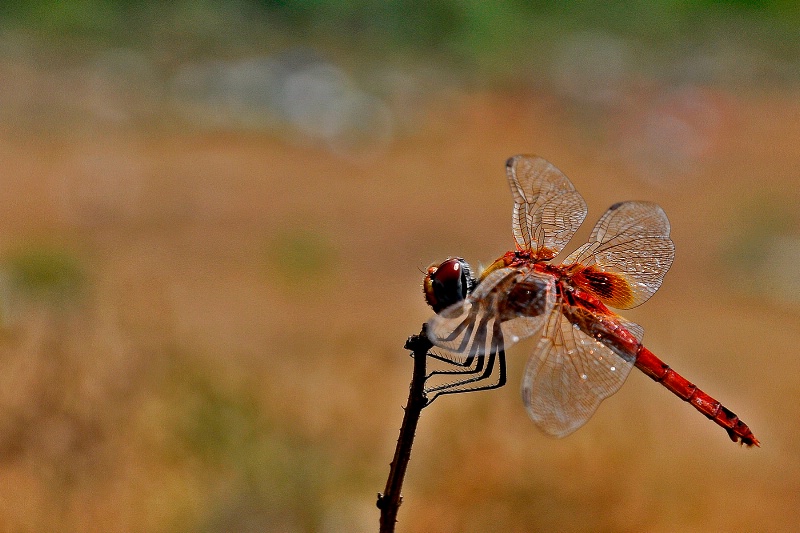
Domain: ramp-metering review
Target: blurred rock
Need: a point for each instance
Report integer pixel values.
(297, 90)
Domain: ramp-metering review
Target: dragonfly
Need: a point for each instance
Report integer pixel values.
(585, 351)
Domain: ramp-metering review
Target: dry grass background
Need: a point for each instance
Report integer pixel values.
(203, 330)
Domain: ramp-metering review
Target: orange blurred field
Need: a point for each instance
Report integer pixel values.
(230, 357)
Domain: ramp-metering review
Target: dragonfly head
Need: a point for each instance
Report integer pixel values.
(447, 283)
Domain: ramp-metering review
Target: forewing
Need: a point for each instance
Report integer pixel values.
(568, 375)
(467, 328)
(547, 208)
(527, 306)
(628, 254)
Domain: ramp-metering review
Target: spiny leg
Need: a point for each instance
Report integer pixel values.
(468, 323)
(496, 351)
(465, 365)
(466, 327)
(458, 387)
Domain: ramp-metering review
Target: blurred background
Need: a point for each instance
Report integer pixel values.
(214, 218)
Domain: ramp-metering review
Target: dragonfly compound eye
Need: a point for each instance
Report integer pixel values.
(447, 284)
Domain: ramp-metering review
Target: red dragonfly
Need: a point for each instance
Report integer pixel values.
(585, 351)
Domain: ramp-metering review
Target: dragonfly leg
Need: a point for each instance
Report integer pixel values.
(464, 366)
(475, 383)
(460, 386)
(461, 367)
(466, 327)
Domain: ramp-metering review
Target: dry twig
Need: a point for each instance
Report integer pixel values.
(389, 501)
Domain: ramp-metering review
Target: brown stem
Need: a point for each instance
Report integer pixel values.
(389, 501)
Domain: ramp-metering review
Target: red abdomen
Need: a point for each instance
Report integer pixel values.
(659, 371)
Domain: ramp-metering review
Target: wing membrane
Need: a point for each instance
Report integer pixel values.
(547, 208)
(468, 327)
(569, 374)
(631, 244)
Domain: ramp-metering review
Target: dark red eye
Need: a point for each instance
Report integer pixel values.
(447, 284)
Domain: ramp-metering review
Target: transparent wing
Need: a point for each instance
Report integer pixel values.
(570, 373)
(547, 208)
(627, 255)
(520, 299)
